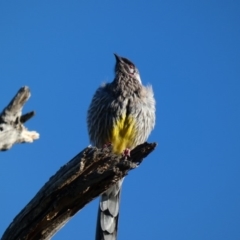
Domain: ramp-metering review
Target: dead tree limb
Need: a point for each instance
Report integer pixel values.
(75, 184)
(12, 129)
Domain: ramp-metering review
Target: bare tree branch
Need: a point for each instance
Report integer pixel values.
(77, 183)
(12, 129)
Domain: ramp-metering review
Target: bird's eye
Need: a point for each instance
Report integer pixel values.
(131, 69)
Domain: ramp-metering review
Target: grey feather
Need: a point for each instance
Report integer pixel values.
(125, 95)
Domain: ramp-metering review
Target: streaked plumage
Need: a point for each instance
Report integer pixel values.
(123, 113)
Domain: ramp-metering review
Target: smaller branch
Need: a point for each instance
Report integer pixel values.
(12, 129)
(78, 182)
(26, 116)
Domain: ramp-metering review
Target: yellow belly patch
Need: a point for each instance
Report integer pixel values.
(123, 134)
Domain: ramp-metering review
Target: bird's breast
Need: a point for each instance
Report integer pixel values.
(123, 133)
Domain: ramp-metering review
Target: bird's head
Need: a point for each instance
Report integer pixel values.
(125, 66)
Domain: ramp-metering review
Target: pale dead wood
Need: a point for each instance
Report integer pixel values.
(12, 129)
(77, 183)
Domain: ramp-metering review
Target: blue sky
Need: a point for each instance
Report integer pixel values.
(188, 188)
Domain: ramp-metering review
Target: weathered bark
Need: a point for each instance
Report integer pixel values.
(78, 182)
(12, 129)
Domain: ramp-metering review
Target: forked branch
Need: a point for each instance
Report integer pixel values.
(12, 129)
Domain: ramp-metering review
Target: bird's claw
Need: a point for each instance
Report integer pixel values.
(126, 152)
(106, 145)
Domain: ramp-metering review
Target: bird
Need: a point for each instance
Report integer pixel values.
(121, 113)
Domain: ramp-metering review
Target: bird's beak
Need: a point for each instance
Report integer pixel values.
(118, 59)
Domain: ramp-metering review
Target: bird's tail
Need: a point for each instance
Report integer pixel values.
(108, 213)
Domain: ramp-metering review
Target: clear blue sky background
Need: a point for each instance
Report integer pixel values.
(188, 50)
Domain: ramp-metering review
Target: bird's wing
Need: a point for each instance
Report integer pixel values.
(100, 117)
